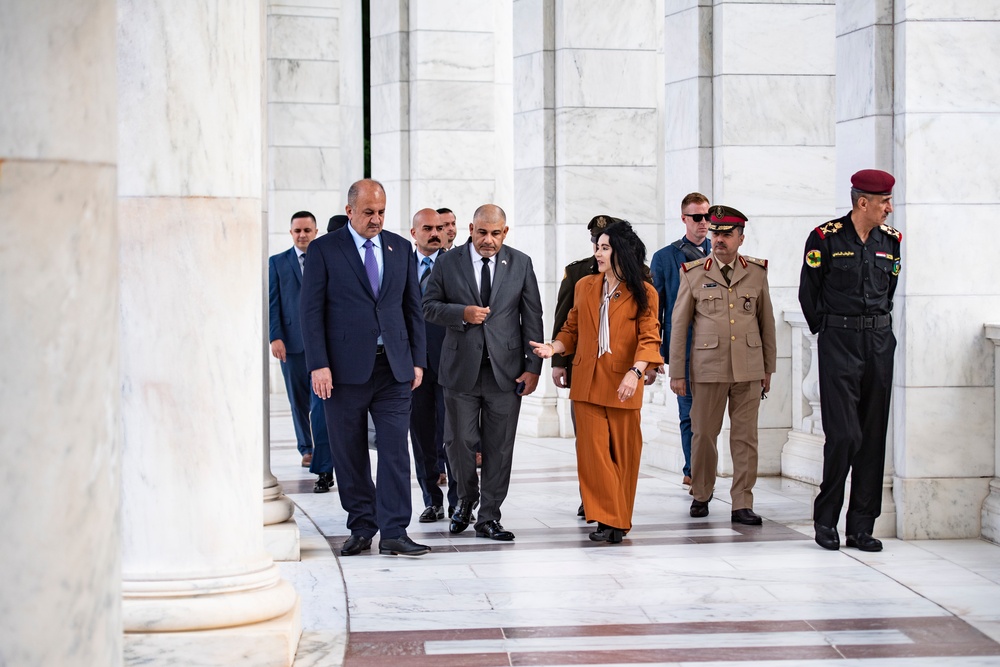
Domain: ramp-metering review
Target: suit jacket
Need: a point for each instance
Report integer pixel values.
(564, 302)
(284, 286)
(596, 379)
(435, 333)
(515, 318)
(342, 319)
(733, 325)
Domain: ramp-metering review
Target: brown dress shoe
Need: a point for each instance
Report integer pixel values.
(307, 459)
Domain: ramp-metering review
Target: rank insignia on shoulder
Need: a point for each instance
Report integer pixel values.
(894, 233)
(687, 266)
(831, 227)
(814, 258)
(754, 260)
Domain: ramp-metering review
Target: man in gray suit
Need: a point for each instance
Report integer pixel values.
(486, 296)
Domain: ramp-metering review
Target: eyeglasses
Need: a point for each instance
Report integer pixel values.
(698, 217)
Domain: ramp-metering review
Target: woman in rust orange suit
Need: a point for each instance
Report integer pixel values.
(613, 332)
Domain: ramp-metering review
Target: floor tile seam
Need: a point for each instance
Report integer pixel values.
(343, 586)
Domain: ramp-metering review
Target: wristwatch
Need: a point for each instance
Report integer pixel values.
(637, 372)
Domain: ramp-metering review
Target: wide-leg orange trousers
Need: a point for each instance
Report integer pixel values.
(608, 448)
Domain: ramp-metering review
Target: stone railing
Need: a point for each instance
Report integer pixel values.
(991, 506)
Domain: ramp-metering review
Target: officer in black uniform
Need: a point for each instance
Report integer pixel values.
(846, 286)
(562, 366)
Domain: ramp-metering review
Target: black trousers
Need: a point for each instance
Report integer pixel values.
(855, 380)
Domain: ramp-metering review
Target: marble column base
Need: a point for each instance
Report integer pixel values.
(538, 418)
(802, 457)
(281, 540)
(662, 446)
(940, 508)
(277, 507)
(267, 644)
(991, 513)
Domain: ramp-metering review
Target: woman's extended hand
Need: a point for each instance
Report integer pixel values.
(543, 350)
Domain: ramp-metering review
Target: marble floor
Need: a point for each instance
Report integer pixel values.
(677, 591)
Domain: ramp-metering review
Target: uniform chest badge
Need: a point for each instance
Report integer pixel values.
(813, 259)
(709, 285)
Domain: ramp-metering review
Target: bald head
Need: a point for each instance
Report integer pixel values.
(427, 231)
(366, 207)
(488, 229)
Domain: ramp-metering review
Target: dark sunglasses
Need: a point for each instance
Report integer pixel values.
(698, 217)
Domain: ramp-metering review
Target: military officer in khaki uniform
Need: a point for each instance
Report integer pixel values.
(733, 354)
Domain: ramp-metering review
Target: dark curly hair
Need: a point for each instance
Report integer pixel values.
(628, 261)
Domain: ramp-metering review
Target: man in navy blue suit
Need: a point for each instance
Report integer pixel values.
(284, 284)
(366, 350)
(427, 417)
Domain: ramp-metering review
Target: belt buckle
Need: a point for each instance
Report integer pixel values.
(867, 322)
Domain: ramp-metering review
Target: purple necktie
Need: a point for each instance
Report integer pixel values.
(371, 266)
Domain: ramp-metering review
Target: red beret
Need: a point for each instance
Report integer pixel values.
(873, 182)
(725, 218)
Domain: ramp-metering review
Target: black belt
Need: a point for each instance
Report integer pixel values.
(379, 349)
(858, 322)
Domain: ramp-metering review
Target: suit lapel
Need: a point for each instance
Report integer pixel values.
(293, 261)
(353, 260)
(500, 271)
(465, 252)
(623, 296)
(595, 301)
(390, 268)
(739, 272)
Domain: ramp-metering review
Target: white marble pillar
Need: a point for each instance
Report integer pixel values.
(198, 586)
(802, 454)
(943, 393)
(281, 533)
(991, 506)
(59, 398)
(773, 156)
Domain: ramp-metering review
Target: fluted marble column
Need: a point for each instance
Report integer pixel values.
(198, 586)
(59, 399)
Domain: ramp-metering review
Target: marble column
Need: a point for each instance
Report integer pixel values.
(946, 102)
(59, 398)
(281, 533)
(773, 157)
(198, 586)
(686, 167)
(991, 506)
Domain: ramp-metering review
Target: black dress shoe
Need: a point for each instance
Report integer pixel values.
(432, 514)
(747, 517)
(355, 544)
(402, 546)
(323, 482)
(864, 542)
(580, 513)
(460, 519)
(494, 531)
(827, 537)
(699, 508)
(607, 534)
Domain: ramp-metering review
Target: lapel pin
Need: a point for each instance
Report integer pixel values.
(504, 262)
(389, 247)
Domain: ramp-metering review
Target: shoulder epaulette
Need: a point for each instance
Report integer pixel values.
(579, 261)
(687, 266)
(754, 260)
(894, 233)
(831, 227)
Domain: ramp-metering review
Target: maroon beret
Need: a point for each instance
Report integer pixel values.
(873, 182)
(725, 218)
